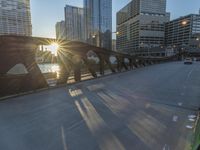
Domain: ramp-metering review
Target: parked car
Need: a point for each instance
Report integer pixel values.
(188, 61)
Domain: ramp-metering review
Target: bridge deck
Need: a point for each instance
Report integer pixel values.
(144, 109)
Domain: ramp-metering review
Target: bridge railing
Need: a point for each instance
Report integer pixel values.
(72, 59)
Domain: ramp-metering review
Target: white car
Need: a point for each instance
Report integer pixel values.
(188, 61)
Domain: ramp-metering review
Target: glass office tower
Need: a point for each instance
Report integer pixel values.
(74, 23)
(15, 17)
(60, 30)
(98, 22)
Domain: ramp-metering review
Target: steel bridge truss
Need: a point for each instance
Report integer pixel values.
(71, 55)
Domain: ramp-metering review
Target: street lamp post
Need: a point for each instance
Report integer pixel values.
(93, 39)
(148, 48)
(116, 32)
(184, 22)
(198, 42)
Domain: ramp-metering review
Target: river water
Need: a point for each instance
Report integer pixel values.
(48, 68)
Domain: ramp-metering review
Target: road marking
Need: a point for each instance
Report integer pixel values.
(192, 120)
(95, 87)
(147, 105)
(189, 74)
(63, 138)
(166, 147)
(175, 118)
(180, 104)
(189, 126)
(77, 124)
(191, 116)
(182, 94)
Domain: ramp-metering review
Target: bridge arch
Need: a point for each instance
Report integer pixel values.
(18, 69)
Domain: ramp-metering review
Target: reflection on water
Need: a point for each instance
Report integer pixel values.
(48, 68)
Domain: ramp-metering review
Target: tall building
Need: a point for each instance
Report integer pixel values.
(140, 25)
(15, 17)
(114, 45)
(60, 30)
(74, 23)
(183, 31)
(98, 22)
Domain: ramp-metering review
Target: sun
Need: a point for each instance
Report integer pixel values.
(54, 48)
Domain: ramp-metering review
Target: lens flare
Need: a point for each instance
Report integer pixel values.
(54, 48)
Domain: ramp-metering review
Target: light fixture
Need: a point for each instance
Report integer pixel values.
(184, 22)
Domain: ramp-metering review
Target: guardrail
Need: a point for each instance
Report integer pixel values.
(72, 57)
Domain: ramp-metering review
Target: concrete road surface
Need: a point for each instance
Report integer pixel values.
(143, 109)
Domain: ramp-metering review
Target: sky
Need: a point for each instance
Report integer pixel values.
(45, 13)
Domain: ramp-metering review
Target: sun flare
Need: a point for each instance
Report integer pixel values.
(54, 48)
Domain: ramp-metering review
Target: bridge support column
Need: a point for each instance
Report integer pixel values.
(91, 70)
(107, 60)
(15, 53)
(64, 74)
(65, 65)
(77, 62)
(124, 64)
(135, 62)
(119, 64)
(77, 73)
(101, 64)
(140, 62)
(131, 63)
(37, 79)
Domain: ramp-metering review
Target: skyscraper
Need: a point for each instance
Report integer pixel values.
(74, 23)
(60, 30)
(98, 22)
(15, 17)
(140, 25)
(183, 31)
